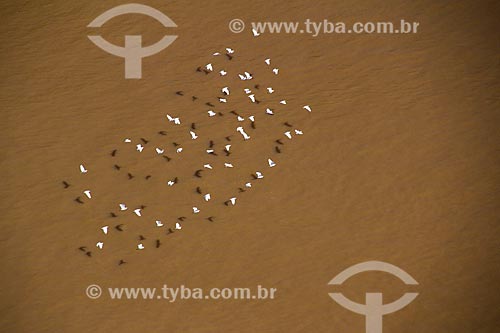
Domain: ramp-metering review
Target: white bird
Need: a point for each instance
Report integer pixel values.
(307, 107)
(222, 100)
(123, 207)
(178, 226)
(222, 73)
(99, 245)
(216, 54)
(298, 132)
(87, 193)
(248, 185)
(288, 135)
(159, 223)
(252, 98)
(233, 200)
(228, 165)
(227, 147)
(140, 247)
(255, 33)
(229, 50)
(177, 121)
(160, 151)
(247, 91)
(196, 210)
(140, 148)
(242, 77)
(170, 118)
(179, 150)
(269, 111)
(259, 175)
(252, 118)
(210, 151)
(248, 76)
(170, 183)
(127, 140)
(270, 90)
(209, 67)
(267, 61)
(207, 197)
(225, 90)
(242, 132)
(105, 229)
(211, 113)
(275, 71)
(271, 162)
(283, 102)
(240, 118)
(193, 135)
(207, 166)
(82, 169)
(137, 212)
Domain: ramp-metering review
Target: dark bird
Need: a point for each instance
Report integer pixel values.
(193, 126)
(141, 237)
(162, 133)
(287, 124)
(167, 158)
(198, 173)
(230, 57)
(194, 98)
(252, 124)
(119, 227)
(278, 150)
(211, 144)
(121, 262)
(241, 190)
(144, 140)
(130, 176)
(198, 190)
(182, 218)
(175, 144)
(180, 93)
(256, 86)
(209, 104)
(65, 183)
(211, 218)
(117, 167)
(148, 176)
(89, 254)
(82, 248)
(158, 243)
(113, 153)
(170, 231)
(112, 214)
(79, 200)
(228, 138)
(279, 142)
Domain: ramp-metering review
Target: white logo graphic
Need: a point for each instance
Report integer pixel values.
(374, 308)
(133, 52)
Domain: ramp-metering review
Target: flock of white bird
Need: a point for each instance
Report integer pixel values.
(175, 120)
